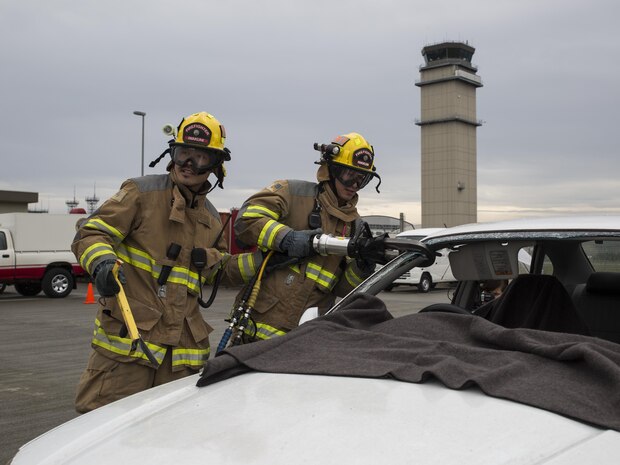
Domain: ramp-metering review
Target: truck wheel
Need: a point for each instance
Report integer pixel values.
(426, 283)
(28, 289)
(57, 282)
(2, 288)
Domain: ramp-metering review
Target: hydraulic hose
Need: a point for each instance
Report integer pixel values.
(242, 312)
(218, 277)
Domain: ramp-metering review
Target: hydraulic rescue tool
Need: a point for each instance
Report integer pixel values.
(360, 246)
(129, 320)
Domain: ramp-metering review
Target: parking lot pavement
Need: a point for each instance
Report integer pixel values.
(45, 343)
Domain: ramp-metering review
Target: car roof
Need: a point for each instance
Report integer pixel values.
(557, 227)
(422, 232)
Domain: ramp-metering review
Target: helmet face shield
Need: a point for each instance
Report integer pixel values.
(350, 177)
(200, 160)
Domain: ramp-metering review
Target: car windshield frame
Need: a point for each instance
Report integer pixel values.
(409, 259)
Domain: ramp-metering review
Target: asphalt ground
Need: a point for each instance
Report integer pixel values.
(45, 343)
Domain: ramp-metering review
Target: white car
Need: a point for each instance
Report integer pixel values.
(425, 278)
(457, 383)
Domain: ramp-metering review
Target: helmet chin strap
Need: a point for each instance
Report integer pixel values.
(158, 159)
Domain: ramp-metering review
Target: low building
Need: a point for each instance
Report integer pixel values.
(16, 202)
(380, 224)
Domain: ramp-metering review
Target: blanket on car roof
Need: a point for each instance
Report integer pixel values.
(573, 375)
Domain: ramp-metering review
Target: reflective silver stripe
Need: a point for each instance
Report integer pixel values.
(180, 275)
(100, 225)
(322, 277)
(268, 234)
(96, 250)
(264, 331)
(352, 278)
(191, 357)
(255, 211)
(142, 260)
(247, 264)
(122, 345)
(136, 257)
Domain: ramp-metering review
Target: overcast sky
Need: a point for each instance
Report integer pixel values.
(281, 75)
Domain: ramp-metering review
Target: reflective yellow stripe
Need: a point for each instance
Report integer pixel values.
(100, 225)
(321, 276)
(142, 260)
(264, 331)
(247, 264)
(268, 234)
(195, 358)
(352, 278)
(94, 251)
(122, 345)
(255, 211)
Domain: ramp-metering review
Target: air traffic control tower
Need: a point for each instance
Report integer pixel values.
(448, 123)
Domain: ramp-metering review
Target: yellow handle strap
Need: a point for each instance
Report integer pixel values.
(132, 329)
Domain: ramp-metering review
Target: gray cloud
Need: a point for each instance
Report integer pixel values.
(281, 75)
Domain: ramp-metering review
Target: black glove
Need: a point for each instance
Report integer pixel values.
(299, 243)
(104, 279)
(365, 268)
(367, 250)
(370, 252)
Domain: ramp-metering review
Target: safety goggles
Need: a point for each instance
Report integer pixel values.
(350, 177)
(202, 160)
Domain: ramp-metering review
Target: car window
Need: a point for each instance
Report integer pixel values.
(525, 261)
(547, 267)
(524, 257)
(603, 255)
(2, 241)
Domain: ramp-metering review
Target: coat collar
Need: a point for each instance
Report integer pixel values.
(183, 197)
(329, 201)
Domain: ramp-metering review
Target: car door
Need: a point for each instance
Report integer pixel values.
(6, 257)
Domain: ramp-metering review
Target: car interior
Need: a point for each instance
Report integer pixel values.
(563, 291)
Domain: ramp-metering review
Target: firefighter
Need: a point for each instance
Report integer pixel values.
(285, 216)
(167, 235)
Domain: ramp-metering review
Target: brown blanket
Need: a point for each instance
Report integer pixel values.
(573, 375)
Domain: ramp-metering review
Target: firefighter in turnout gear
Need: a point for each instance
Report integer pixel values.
(285, 216)
(167, 235)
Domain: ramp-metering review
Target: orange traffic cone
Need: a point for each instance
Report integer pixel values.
(90, 296)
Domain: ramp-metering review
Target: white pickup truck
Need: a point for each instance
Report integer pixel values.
(35, 253)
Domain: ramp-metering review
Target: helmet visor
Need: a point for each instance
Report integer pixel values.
(350, 177)
(200, 160)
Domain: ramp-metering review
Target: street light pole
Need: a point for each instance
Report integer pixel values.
(142, 114)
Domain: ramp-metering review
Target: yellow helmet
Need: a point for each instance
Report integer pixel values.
(204, 134)
(201, 130)
(350, 151)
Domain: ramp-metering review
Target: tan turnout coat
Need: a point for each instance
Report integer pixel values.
(285, 293)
